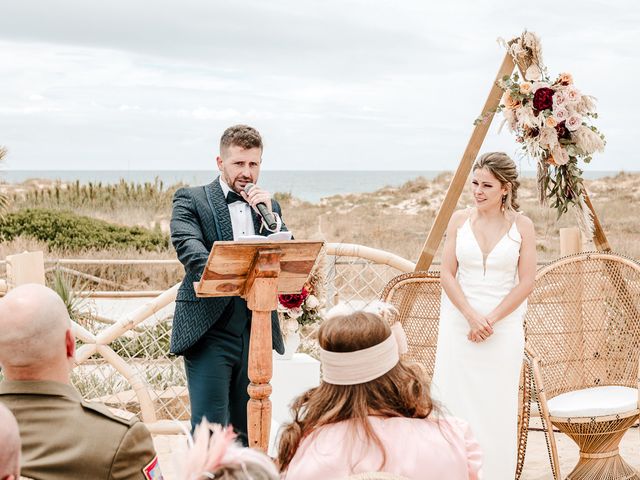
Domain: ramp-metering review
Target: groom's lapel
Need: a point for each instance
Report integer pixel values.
(218, 204)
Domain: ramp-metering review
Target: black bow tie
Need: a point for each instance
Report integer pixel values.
(234, 197)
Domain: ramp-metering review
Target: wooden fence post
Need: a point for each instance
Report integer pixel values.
(27, 267)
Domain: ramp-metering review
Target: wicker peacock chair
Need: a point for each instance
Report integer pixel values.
(583, 334)
(416, 295)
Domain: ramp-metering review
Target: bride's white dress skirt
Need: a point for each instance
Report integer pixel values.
(479, 382)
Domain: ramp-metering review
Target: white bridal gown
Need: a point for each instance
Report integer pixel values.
(478, 382)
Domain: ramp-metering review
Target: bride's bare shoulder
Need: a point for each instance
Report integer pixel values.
(524, 224)
(458, 218)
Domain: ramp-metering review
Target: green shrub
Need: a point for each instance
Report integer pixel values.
(68, 231)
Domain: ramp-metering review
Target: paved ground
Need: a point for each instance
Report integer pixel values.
(171, 450)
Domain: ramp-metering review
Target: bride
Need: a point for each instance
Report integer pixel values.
(488, 270)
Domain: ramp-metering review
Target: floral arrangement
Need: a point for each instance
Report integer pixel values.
(304, 307)
(552, 121)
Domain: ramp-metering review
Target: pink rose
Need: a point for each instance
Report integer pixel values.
(560, 114)
(573, 95)
(573, 123)
(559, 99)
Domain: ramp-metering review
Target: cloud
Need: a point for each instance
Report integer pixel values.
(350, 84)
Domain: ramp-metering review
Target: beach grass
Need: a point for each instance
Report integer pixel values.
(395, 219)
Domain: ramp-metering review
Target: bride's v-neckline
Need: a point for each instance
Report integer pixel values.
(485, 256)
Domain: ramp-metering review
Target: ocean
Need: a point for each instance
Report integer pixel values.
(307, 185)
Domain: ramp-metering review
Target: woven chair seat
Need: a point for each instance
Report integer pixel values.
(594, 402)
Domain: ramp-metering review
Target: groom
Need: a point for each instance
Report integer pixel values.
(213, 333)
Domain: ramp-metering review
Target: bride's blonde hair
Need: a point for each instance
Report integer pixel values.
(500, 165)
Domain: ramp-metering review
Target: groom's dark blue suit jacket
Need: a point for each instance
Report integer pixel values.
(200, 217)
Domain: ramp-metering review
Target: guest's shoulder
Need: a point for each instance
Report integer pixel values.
(99, 414)
(403, 424)
(453, 423)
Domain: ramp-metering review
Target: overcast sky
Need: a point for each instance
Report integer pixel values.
(335, 84)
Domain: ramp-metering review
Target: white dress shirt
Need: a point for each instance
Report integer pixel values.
(240, 212)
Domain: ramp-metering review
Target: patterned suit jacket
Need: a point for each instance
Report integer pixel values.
(200, 217)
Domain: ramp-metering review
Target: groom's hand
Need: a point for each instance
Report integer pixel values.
(257, 195)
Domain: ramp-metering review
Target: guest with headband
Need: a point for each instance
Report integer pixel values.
(372, 411)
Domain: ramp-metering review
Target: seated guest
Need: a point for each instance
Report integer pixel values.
(372, 411)
(216, 454)
(9, 446)
(63, 437)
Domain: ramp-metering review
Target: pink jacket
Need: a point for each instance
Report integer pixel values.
(424, 449)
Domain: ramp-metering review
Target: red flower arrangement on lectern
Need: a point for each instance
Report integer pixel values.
(302, 307)
(552, 121)
(293, 300)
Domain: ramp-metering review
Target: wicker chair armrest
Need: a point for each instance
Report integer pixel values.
(534, 361)
(537, 374)
(528, 349)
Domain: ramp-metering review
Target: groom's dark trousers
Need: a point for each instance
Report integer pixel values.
(212, 333)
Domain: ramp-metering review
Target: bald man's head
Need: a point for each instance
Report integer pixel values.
(10, 444)
(34, 326)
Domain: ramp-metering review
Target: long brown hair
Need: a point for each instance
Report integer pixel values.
(402, 392)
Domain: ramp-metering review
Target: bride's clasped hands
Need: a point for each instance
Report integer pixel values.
(480, 328)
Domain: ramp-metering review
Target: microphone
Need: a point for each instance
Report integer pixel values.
(266, 215)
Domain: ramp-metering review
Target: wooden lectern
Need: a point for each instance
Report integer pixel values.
(258, 272)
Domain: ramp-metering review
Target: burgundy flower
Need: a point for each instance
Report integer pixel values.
(543, 98)
(293, 300)
(562, 131)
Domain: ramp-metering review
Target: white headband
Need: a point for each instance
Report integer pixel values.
(361, 366)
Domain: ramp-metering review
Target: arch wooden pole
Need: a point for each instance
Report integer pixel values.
(464, 168)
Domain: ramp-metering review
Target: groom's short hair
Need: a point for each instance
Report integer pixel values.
(242, 136)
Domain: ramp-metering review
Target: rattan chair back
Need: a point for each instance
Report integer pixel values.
(583, 322)
(416, 296)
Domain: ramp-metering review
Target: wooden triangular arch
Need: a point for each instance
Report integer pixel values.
(459, 179)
